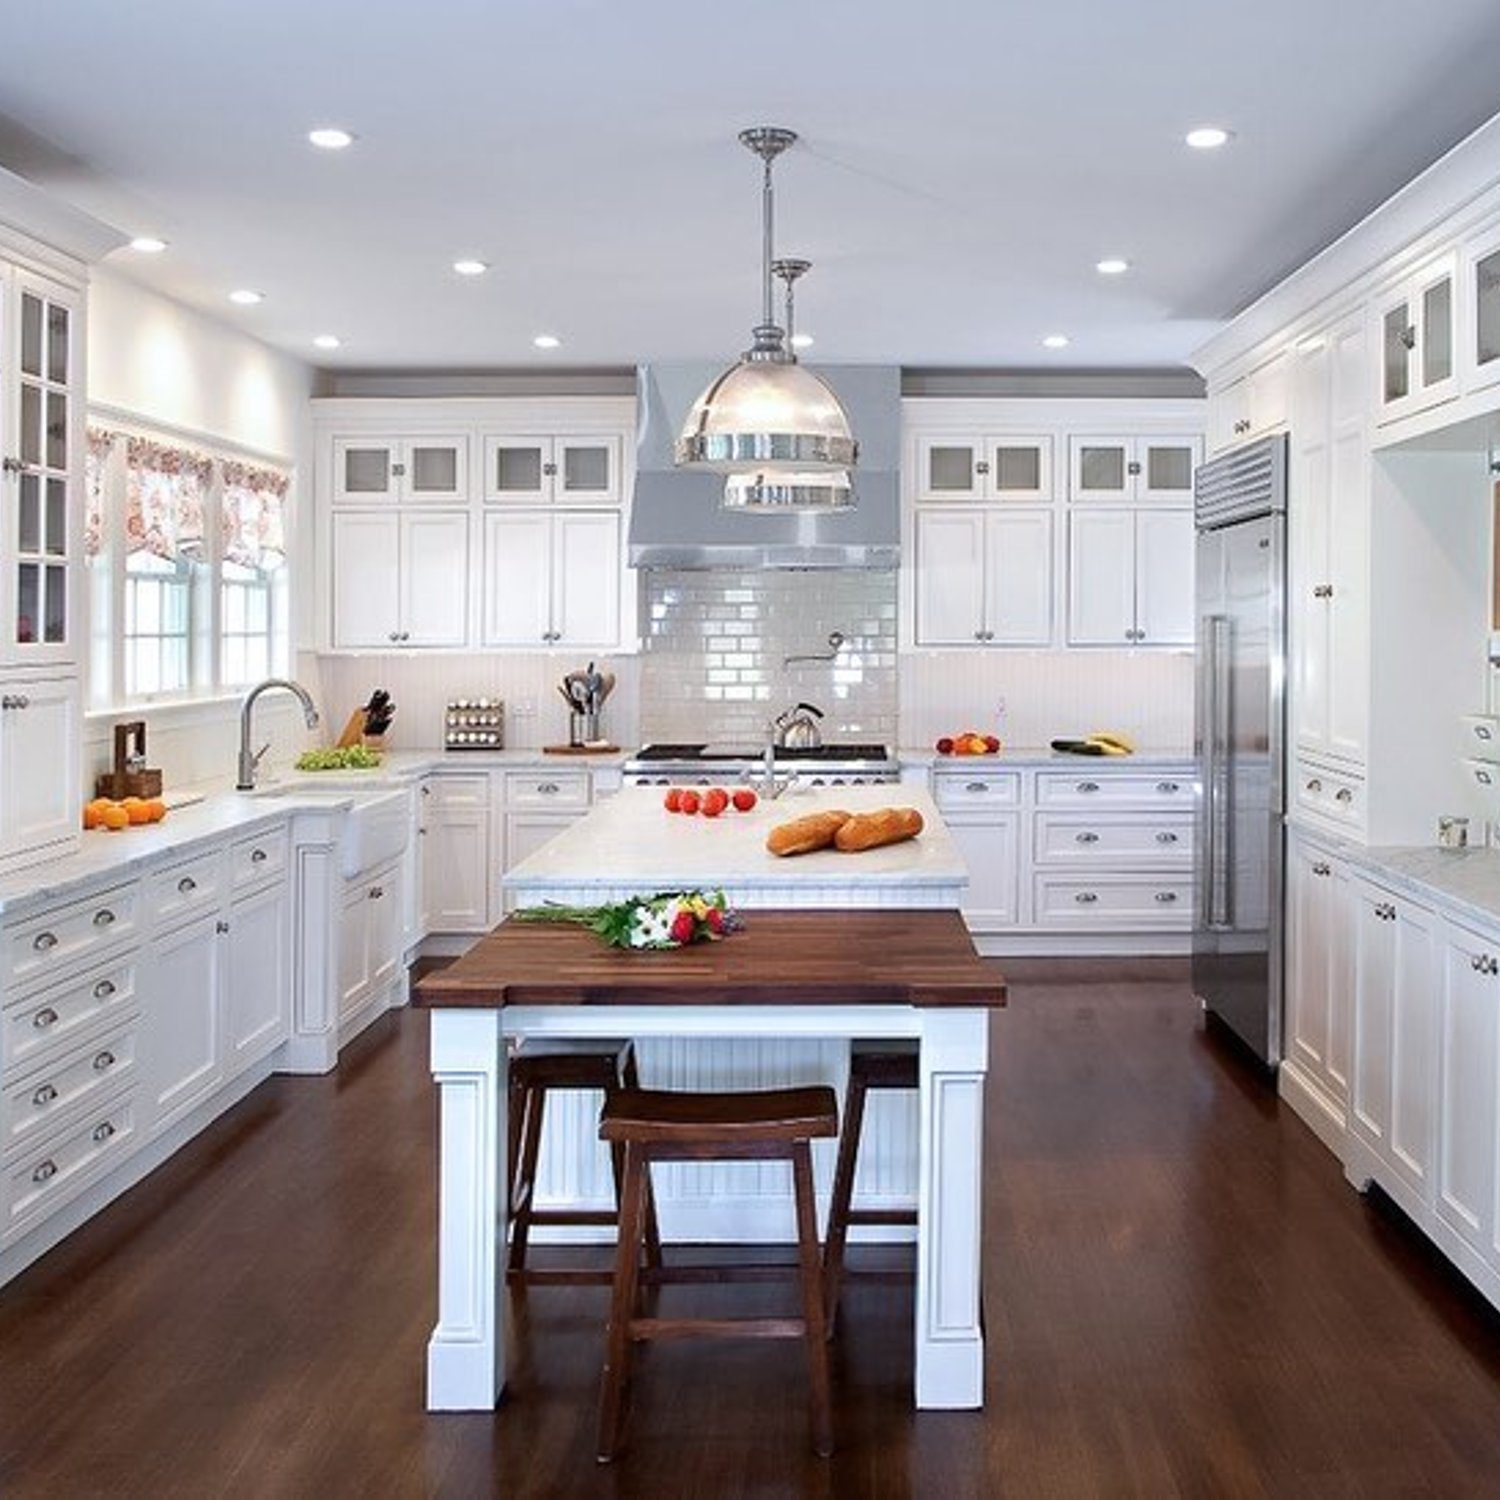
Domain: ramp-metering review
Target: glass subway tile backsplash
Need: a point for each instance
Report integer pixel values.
(715, 645)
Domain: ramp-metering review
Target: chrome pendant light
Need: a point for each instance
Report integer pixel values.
(776, 429)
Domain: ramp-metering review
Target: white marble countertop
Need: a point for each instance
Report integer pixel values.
(1030, 756)
(632, 840)
(1465, 882)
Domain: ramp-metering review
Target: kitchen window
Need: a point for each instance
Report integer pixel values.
(187, 570)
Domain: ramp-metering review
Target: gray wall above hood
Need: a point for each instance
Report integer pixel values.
(677, 520)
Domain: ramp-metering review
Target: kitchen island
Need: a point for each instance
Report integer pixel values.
(922, 1151)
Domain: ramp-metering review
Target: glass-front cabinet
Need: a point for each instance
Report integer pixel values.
(522, 470)
(1480, 345)
(396, 471)
(1133, 470)
(1011, 467)
(1416, 337)
(42, 469)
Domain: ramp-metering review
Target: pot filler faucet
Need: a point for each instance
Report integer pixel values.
(250, 760)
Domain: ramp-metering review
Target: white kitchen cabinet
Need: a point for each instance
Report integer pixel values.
(1130, 577)
(990, 845)
(1318, 982)
(258, 987)
(1479, 347)
(573, 470)
(984, 577)
(1393, 1080)
(40, 773)
(1015, 467)
(353, 949)
(1416, 324)
(1328, 527)
(1250, 407)
(526, 832)
(456, 869)
(1469, 1052)
(371, 946)
(184, 1031)
(1133, 470)
(400, 578)
(552, 579)
(400, 470)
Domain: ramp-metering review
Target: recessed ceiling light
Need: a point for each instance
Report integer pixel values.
(802, 341)
(470, 267)
(1055, 341)
(148, 244)
(244, 297)
(1207, 137)
(546, 341)
(327, 341)
(1112, 265)
(330, 138)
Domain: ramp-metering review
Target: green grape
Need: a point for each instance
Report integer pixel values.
(350, 758)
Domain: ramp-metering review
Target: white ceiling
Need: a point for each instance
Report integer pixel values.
(965, 163)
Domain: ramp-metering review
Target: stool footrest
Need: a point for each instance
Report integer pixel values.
(881, 1216)
(573, 1216)
(642, 1329)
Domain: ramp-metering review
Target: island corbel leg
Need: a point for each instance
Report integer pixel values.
(466, 1353)
(950, 1341)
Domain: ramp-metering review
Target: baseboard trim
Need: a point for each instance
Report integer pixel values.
(1322, 1115)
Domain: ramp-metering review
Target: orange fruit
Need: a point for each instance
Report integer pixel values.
(114, 817)
(157, 808)
(93, 813)
(137, 809)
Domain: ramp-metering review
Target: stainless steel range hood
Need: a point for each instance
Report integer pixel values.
(677, 519)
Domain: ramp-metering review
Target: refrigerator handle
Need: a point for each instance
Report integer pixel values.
(1219, 828)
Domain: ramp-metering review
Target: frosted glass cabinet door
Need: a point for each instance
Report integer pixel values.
(586, 470)
(1018, 468)
(1101, 578)
(1165, 470)
(366, 579)
(518, 470)
(1165, 543)
(950, 468)
(586, 579)
(435, 469)
(950, 577)
(517, 589)
(434, 579)
(1018, 578)
(1100, 468)
(366, 471)
(1480, 344)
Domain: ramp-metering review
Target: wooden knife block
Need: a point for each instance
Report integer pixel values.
(354, 733)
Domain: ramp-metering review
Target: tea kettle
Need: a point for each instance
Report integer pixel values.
(797, 728)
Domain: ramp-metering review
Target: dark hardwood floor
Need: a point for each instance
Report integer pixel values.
(1183, 1299)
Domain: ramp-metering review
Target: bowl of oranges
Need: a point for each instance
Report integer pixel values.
(114, 815)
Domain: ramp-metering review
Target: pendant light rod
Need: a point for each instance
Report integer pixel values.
(790, 269)
(767, 142)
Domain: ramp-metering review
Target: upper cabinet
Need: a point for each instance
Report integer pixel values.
(1415, 320)
(1250, 406)
(1133, 470)
(1015, 467)
(521, 470)
(398, 471)
(985, 577)
(41, 431)
(1480, 347)
(1130, 578)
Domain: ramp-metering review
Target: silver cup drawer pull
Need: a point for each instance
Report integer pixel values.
(1168, 788)
(977, 786)
(104, 1061)
(187, 885)
(104, 989)
(44, 942)
(258, 856)
(1088, 786)
(44, 1171)
(1166, 838)
(104, 917)
(1086, 898)
(45, 1018)
(102, 1132)
(1166, 897)
(44, 1096)
(548, 788)
(1086, 837)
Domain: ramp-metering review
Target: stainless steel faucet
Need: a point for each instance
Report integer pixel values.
(250, 760)
(771, 785)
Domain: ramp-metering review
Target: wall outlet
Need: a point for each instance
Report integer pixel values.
(523, 708)
(1000, 712)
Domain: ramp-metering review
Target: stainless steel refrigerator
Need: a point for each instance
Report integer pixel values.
(1240, 741)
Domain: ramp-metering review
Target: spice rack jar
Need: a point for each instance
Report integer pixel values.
(474, 724)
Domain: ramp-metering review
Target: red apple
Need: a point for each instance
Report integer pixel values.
(688, 802)
(715, 800)
(991, 744)
(743, 799)
(945, 746)
(673, 800)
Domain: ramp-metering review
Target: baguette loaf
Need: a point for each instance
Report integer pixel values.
(803, 835)
(888, 825)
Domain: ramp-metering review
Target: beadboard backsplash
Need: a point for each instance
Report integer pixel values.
(715, 644)
(1049, 695)
(423, 684)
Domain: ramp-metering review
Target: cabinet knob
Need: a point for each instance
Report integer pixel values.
(11, 465)
(549, 469)
(221, 927)
(376, 892)
(1133, 467)
(45, 1018)
(1408, 337)
(1321, 869)
(44, 1096)
(1166, 897)
(982, 467)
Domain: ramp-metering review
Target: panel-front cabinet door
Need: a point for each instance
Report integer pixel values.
(517, 592)
(1309, 958)
(456, 871)
(40, 774)
(258, 978)
(950, 577)
(1414, 1046)
(990, 845)
(586, 578)
(434, 578)
(1101, 578)
(525, 833)
(1469, 1034)
(1165, 544)
(1018, 578)
(366, 580)
(184, 1019)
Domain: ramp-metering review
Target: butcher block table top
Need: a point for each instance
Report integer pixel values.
(920, 958)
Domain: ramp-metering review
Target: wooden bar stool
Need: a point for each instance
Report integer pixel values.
(541, 1065)
(872, 1065)
(765, 1125)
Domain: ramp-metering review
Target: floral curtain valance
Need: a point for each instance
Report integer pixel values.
(253, 517)
(95, 464)
(165, 492)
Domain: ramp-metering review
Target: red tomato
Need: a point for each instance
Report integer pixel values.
(673, 800)
(715, 800)
(945, 746)
(744, 799)
(991, 744)
(688, 802)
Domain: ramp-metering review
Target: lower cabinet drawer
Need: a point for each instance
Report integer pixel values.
(30, 1108)
(43, 945)
(48, 1023)
(186, 890)
(1112, 902)
(976, 788)
(53, 1172)
(1330, 794)
(1104, 784)
(547, 788)
(1073, 839)
(255, 859)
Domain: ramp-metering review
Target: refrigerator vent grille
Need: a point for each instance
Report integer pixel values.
(1244, 484)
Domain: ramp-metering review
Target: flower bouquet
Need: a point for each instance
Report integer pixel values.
(670, 919)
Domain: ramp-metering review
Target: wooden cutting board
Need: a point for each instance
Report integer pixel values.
(580, 749)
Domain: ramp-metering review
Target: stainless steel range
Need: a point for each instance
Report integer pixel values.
(726, 765)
